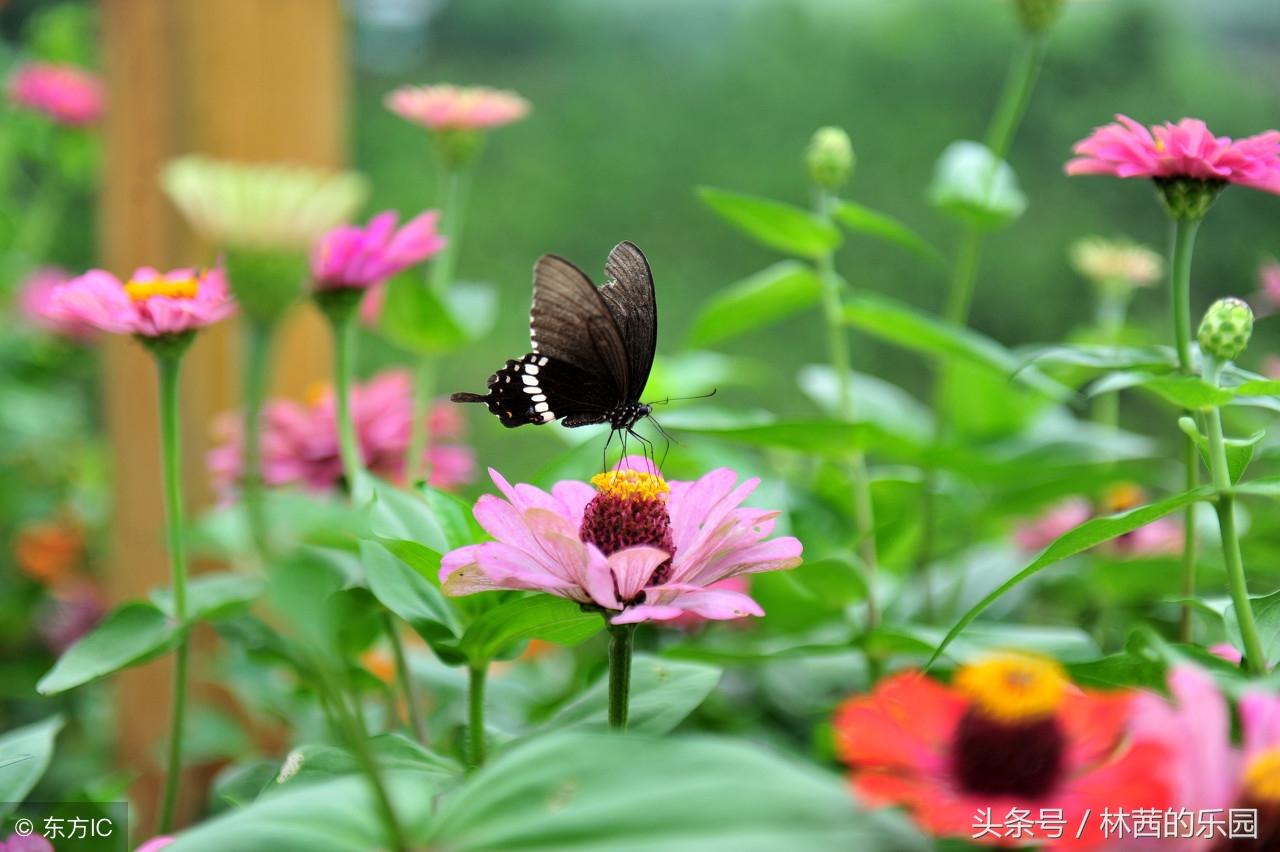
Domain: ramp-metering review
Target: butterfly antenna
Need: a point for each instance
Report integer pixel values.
(671, 399)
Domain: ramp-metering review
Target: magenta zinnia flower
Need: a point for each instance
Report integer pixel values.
(445, 107)
(149, 304)
(355, 257)
(1184, 150)
(639, 547)
(64, 93)
(1207, 772)
(300, 442)
(35, 302)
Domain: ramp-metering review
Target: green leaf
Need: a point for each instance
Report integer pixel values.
(1188, 392)
(970, 184)
(1239, 451)
(416, 319)
(133, 634)
(695, 372)
(399, 514)
(419, 557)
(783, 289)
(546, 617)
(213, 595)
(24, 756)
(1264, 486)
(663, 693)
(874, 400)
(339, 815)
(1087, 535)
(780, 226)
(864, 220)
(453, 515)
(1088, 360)
(1266, 617)
(905, 326)
(575, 792)
(1062, 643)
(823, 437)
(403, 590)
(311, 763)
(1258, 387)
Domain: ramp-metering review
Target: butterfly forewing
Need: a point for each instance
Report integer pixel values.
(568, 321)
(630, 298)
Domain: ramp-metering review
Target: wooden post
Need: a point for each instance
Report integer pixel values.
(258, 80)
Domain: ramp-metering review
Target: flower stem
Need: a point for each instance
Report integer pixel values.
(169, 367)
(357, 736)
(1019, 83)
(838, 352)
(259, 335)
(1256, 661)
(620, 641)
(1111, 310)
(424, 380)
(475, 708)
(416, 721)
(344, 335)
(1181, 249)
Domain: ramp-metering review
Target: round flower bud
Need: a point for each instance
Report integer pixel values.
(830, 157)
(1225, 329)
(1036, 16)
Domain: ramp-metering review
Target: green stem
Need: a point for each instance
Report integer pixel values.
(259, 335)
(344, 336)
(1111, 310)
(620, 641)
(841, 363)
(1020, 82)
(1182, 246)
(424, 380)
(454, 183)
(169, 367)
(1256, 661)
(358, 737)
(416, 719)
(475, 709)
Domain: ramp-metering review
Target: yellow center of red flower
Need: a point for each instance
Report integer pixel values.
(1262, 776)
(1014, 687)
(185, 287)
(630, 484)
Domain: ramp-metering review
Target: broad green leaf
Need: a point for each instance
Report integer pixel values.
(400, 514)
(239, 784)
(585, 792)
(339, 815)
(24, 756)
(453, 515)
(1265, 486)
(783, 289)
(311, 763)
(133, 634)
(1189, 392)
(419, 557)
(1078, 540)
(1119, 671)
(1258, 387)
(1266, 617)
(1239, 451)
(789, 229)
(824, 437)
(970, 184)
(663, 693)
(1085, 361)
(864, 220)
(885, 404)
(910, 328)
(415, 318)
(1062, 643)
(405, 592)
(546, 617)
(213, 595)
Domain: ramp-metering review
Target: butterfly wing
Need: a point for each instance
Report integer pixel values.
(539, 389)
(630, 298)
(570, 322)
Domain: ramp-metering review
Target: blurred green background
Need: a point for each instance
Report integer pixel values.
(635, 104)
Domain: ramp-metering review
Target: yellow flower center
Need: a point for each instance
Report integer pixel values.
(1159, 145)
(1014, 687)
(630, 484)
(1123, 497)
(1262, 776)
(316, 393)
(172, 288)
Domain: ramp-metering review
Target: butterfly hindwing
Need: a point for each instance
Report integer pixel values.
(539, 389)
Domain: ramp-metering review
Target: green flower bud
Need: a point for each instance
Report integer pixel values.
(1036, 16)
(830, 157)
(1225, 329)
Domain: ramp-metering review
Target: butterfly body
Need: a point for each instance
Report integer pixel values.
(593, 348)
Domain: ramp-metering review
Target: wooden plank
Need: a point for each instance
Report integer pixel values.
(259, 80)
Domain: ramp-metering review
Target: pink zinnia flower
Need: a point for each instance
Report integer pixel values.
(1206, 771)
(351, 256)
(35, 300)
(1040, 532)
(300, 442)
(1227, 651)
(640, 548)
(1184, 150)
(65, 93)
(445, 107)
(75, 609)
(150, 304)
(26, 843)
(155, 844)
(1268, 299)
(1157, 538)
(1010, 734)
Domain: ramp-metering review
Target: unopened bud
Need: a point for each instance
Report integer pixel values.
(1036, 16)
(830, 157)
(1225, 329)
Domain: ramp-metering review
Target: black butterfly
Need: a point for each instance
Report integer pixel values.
(592, 347)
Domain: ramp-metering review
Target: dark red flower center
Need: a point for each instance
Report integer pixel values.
(630, 511)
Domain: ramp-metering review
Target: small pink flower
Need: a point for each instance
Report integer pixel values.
(300, 442)
(155, 844)
(1268, 300)
(150, 304)
(35, 299)
(445, 107)
(25, 843)
(371, 305)
(1207, 771)
(1184, 150)
(1158, 538)
(640, 548)
(1227, 651)
(1041, 531)
(65, 93)
(75, 608)
(351, 256)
